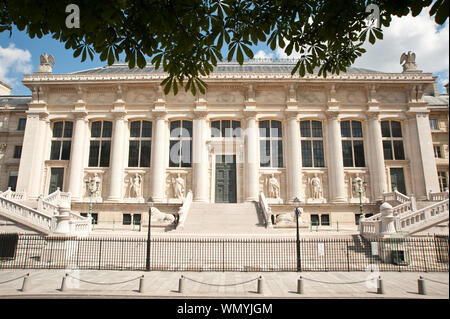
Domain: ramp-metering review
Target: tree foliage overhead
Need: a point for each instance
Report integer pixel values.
(186, 37)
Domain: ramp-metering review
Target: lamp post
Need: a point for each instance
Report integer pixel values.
(150, 205)
(360, 184)
(92, 186)
(297, 213)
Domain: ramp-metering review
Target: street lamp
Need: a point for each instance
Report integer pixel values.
(150, 205)
(360, 184)
(297, 213)
(92, 186)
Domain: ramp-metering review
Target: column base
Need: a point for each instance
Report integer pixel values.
(339, 200)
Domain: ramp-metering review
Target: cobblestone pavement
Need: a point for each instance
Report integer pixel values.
(48, 283)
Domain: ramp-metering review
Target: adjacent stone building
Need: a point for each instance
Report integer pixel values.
(257, 129)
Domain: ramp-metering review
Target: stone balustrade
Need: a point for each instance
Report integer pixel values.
(184, 210)
(407, 220)
(57, 197)
(438, 196)
(9, 194)
(396, 196)
(267, 212)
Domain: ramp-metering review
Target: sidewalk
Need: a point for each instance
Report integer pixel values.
(47, 284)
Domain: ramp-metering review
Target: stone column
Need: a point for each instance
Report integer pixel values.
(77, 156)
(294, 160)
(117, 158)
(251, 166)
(32, 160)
(335, 160)
(158, 163)
(423, 164)
(377, 168)
(200, 159)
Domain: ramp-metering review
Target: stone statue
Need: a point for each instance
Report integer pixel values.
(274, 187)
(316, 187)
(45, 61)
(357, 183)
(286, 218)
(136, 186)
(408, 61)
(161, 218)
(178, 186)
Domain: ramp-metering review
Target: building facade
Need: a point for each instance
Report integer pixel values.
(330, 142)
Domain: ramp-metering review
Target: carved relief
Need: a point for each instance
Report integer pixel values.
(354, 183)
(312, 96)
(94, 185)
(351, 96)
(270, 97)
(389, 97)
(273, 187)
(229, 96)
(101, 97)
(135, 186)
(314, 187)
(181, 97)
(177, 184)
(141, 96)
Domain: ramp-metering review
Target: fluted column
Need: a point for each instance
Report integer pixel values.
(76, 156)
(251, 159)
(335, 160)
(377, 168)
(117, 158)
(294, 160)
(200, 159)
(32, 159)
(158, 164)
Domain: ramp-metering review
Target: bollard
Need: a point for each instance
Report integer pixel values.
(380, 286)
(142, 285)
(181, 284)
(260, 285)
(25, 283)
(421, 286)
(63, 284)
(300, 286)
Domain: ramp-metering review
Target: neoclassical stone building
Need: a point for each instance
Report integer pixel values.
(257, 129)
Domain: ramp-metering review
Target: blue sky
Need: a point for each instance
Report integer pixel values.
(20, 55)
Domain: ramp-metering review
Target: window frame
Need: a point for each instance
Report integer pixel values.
(271, 140)
(17, 151)
(180, 139)
(101, 140)
(22, 122)
(443, 180)
(352, 139)
(312, 139)
(62, 140)
(233, 136)
(392, 140)
(140, 139)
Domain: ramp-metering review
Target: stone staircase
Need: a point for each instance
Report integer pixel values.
(240, 218)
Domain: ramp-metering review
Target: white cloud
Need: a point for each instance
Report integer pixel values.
(418, 34)
(261, 54)
(14, 63)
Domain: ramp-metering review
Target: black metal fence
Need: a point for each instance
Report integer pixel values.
(225, 254)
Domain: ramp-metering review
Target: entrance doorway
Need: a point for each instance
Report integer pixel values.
(398, 180)
(226, 179)
(56, 179)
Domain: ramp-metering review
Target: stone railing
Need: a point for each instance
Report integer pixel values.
(9, 194)
(184, 210)
(406, 221)
(57, 196)
(267, 212)
(396, 196)
(438, 196)
(81, 226)
(370, 228)
(43, 221)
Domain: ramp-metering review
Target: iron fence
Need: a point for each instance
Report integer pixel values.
(225, 254)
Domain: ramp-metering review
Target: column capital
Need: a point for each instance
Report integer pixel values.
(159, 114)
(200, 114)
(332, 115)
(79, 114)
(373, 115)
(291, 115)
(412, 114)
(250, 114)
(119, 114)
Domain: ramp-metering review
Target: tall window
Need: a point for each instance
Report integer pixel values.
(225, 128)
(312, 144)
(391, 131)
(17, 151)
(140, 144)
(443, 185)
(434, 124)
(437, 151)
(61, 140)
(352, 144)
(21, 125)
(180, 153)
(100, 147)
(271, 143)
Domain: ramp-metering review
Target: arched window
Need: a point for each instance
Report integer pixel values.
(61, 140)
(271, 143)
(225, 128)
(100, 146)
(391, 131)
(139, 151)
(312, 144)
(180, 152)
(352, 144)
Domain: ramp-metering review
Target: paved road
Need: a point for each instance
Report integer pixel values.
(47, 284)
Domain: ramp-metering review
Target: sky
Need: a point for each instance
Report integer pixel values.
(20, 55)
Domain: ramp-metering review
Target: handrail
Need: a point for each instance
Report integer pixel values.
(57, 196)
(438, 196)
(184, 210)
(397, 196)
(425, 213)
(267, 212)
(9, 194)
(36, 217)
